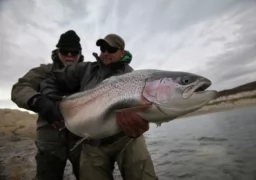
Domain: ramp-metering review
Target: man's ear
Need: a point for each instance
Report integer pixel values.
(123, 53)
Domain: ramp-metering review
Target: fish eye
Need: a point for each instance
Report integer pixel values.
(185, 80)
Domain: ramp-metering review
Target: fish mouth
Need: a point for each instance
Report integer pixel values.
(200, 87)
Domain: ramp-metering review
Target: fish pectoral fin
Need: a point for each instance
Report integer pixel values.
(78, 143)
(134, 109)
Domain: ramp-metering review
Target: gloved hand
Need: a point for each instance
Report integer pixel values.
(47, 109)
(132, 124)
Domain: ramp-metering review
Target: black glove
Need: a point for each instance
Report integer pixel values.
(46, 108)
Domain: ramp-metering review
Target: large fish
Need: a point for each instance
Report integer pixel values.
(166, 95)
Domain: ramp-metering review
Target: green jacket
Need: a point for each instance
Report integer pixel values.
(83, 76)
(29, 85)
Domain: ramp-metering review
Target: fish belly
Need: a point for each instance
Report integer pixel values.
(93, 128)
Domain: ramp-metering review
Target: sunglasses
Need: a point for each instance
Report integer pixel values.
(109, 49)
(73, 52)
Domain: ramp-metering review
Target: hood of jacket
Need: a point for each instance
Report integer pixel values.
(127, 57)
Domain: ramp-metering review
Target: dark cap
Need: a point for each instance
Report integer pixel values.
(113, 40)
(69, 39)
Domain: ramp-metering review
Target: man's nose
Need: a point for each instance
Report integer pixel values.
(69, 54)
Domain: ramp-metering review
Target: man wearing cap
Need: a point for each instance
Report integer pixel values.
(52, 145)
(127, 148)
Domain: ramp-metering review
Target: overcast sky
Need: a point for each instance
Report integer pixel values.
(216, 39)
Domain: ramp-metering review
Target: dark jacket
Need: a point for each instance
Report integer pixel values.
(83, 76)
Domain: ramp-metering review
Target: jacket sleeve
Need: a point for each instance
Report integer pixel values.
(65, 81)
(29, 85)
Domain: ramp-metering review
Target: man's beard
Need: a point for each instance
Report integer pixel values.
(69, 62)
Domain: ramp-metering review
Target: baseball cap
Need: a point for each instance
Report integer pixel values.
(113, 40)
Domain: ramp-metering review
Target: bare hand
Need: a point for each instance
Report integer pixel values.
(132, 124)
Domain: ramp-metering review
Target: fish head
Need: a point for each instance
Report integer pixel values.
(178, 93)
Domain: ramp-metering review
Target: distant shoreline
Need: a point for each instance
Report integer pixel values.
(220, 106)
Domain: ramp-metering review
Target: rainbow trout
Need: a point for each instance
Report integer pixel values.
(166, 95)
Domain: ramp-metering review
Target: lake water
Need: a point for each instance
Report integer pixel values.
(217, 146)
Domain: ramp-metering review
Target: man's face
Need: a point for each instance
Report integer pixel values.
(69, 56)
(110, 54)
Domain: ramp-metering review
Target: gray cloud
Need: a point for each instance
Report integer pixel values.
(236, 65)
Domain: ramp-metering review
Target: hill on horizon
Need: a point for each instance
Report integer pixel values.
(251, 86)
